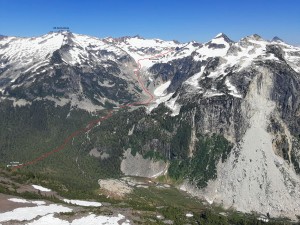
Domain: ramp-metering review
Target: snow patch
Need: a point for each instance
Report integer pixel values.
(232, 89)
(18, 200)
(40, 188)
(212, 93)
(162, 96)
(219, 41)
(90, 220)
(189, 215)
(160, 90)
(193, 80)
(206, 52)
(174, 106)
(82, 203)
(29, 213)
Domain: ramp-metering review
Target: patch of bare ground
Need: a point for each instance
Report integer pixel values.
(114, 188)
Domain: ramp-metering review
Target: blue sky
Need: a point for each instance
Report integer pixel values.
(184, 20)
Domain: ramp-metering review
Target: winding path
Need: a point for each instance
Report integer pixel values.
(93, 123)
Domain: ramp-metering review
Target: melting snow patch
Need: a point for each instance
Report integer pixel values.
(82, 203)
(189, 215)
(159, 91)
(264, 219)
(159, 217)
(212, 93)
(175, 107)
(160, 100)
(38, 202)
(232, 89)
(219, 41)
(90, 220)
(29, 213)
(18, 200)
(40, 188)
(193, 80)
(162, 96)
(207, 52)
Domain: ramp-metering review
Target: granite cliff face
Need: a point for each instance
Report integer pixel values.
(261, 173)
(253, 103)
(225, 118)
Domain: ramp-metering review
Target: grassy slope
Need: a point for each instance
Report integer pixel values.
(33, 130)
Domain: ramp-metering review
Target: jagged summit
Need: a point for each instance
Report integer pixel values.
(224, 36)
(251, 39)
(123, 38)
(255, 37)
(220, 42)
(276, 39)
(65, 32)
(219, 35)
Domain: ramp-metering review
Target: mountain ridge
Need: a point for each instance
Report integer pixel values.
(225, 115)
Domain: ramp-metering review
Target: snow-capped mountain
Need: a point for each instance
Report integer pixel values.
(49, 66)
(208, 70)
(245, 91)
(248, 92)
(62, 66)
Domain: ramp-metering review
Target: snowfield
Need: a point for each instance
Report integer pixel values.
(82, 203)
(47, 214)
(29, 213)
(89, 220)
(18, 200)
(160, 90)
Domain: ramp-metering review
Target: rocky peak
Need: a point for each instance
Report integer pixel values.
(123, 39)
(221, 41)
(255, 37)
(2, 36)
(276, 39)
(224, 37)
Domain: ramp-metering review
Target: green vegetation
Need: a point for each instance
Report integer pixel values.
(180, 141)
(202, 166)
(173, 205)
(146, 203)
(32, 130)
(152, 134)
(154, 155)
